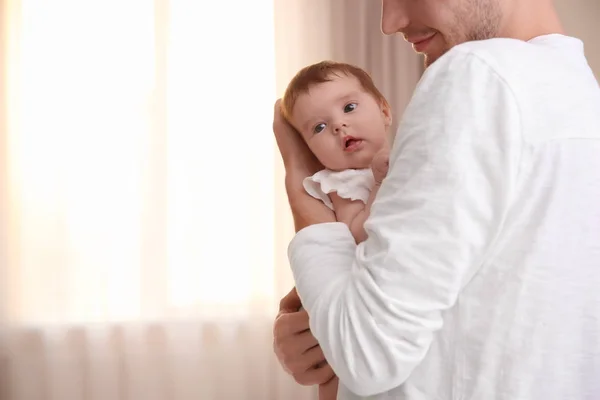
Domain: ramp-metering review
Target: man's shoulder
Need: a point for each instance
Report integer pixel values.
(470, 61)
(491, 48)
(516, 62)
(497, 54)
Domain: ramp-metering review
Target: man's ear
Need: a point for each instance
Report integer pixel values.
(387, 114)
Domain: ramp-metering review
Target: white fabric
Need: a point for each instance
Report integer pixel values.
(115, 225)
(118, 278)
(353, 184)
(480, 276)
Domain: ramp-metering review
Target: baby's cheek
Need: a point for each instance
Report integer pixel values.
(330, 157)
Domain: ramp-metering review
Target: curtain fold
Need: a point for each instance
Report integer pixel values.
(159, 361)
(143, 221)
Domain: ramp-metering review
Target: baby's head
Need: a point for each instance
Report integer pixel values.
(339, 112)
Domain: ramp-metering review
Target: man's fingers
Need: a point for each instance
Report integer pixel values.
(294, 151)
(289, 324)
(306, 342)
(293, 350)
(380, 166)
(296, 363)
(277, 115)
(313, 358)
(314, 376)
(328, 391)
(281, 127)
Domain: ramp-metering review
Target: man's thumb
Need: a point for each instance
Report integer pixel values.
(291, 302)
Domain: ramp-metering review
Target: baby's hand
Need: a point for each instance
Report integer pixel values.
(380, 165)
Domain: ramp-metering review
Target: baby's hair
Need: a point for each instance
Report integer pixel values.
(323, 72)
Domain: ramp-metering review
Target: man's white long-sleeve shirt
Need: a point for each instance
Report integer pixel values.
(480, 279)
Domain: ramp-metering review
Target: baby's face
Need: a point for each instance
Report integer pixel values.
(343, 125)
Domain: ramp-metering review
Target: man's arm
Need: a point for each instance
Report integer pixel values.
(296, 348)
(299, 162)
(375, 307)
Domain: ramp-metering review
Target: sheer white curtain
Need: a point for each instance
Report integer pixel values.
(137, 201)
(143, 225)
(135, 161)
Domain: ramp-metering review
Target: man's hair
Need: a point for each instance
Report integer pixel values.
(322, 72)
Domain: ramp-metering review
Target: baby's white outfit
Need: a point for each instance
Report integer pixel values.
(353, 184)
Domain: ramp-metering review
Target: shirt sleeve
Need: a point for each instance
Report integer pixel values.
(375, 307)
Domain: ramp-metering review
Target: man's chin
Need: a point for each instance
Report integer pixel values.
(432, 57)
(429, 59)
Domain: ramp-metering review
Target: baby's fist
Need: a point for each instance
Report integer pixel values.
(380, 165)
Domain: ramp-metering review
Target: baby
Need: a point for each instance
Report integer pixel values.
(345, 121)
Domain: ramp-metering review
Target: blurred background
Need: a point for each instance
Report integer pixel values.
(143, 220)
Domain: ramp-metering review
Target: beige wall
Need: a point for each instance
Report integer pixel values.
(582, 19)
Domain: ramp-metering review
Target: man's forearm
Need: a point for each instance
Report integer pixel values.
(306, 210)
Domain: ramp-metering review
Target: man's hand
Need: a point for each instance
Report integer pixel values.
(297, 157)
(380, 165)
(299, 163)
(328, 391)
(296, 348)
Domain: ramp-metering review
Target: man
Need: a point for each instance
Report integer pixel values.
(480, 275)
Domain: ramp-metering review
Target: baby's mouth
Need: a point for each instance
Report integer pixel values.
(351, 143)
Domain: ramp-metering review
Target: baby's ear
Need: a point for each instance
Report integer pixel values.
(387, 114)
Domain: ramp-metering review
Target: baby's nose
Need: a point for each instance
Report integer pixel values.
(339, 128)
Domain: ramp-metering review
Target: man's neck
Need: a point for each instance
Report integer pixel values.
(532, 19)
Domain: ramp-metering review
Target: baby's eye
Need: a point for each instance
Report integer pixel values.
(319, 128)
(350, 107)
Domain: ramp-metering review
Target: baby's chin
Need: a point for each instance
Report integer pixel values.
(362, 162)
